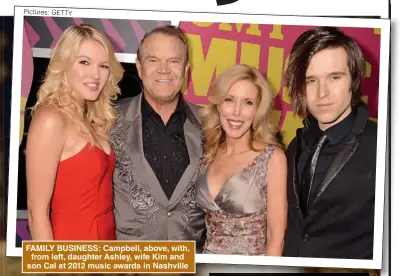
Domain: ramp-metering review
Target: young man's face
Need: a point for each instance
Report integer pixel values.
(328, 87)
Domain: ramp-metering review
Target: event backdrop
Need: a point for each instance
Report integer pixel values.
(213, 48)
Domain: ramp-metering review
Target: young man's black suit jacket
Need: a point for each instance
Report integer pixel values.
(340, 220)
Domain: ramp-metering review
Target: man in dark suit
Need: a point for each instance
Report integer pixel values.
(332, 159)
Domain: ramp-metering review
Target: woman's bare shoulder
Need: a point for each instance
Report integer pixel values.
(49, 116)
(48, 122)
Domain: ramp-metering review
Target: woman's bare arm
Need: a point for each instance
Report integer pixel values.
(276, 203)
(45, 144)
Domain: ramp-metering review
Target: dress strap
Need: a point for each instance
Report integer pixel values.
(262, 172)
(266, 155)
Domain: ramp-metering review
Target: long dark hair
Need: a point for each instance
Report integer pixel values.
(305, 47)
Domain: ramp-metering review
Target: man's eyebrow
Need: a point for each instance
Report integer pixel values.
(331, 73)
(337, 73)
(151, 56)
(169, 58)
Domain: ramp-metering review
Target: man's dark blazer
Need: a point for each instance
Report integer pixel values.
(340, 220)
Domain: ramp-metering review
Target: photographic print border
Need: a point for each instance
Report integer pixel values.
(175, 18)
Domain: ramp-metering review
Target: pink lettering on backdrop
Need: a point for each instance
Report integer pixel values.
(270, 41)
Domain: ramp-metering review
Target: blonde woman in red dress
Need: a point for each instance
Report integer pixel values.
(69, 160)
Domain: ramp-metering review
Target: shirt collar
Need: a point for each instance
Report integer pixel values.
(335, 133)
(147, 110)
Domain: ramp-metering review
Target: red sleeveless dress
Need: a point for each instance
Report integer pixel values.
(82, 203)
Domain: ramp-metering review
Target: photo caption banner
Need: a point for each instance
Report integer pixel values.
(108, 257)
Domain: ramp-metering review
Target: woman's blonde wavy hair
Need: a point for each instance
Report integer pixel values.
(262, 128)
(97, 117)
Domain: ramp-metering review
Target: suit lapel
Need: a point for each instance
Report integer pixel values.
(143, 171)
(295, 181)
(192, 135)
(337, 164)
(134, 140)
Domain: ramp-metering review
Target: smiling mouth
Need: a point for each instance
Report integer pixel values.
(92, 86)
(164, 81)
(235, 124)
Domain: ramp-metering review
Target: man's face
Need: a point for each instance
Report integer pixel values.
(328, 87)
(163, 67)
